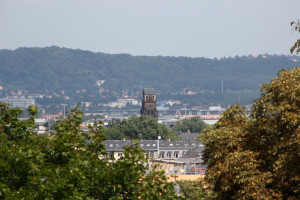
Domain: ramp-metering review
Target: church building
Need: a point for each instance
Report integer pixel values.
(149, 103)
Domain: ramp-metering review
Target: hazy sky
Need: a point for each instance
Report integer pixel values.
(194, 28)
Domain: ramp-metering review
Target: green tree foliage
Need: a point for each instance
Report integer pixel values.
(194, 125)
(231, 169)
(274, 131)
(141, 128)
(70, 164)
(296, 46)
(194, 190)
(258, 158)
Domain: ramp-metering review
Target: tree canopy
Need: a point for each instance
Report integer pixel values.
(140, 128)
(194, 125)
(194, 190)
(71, 164)
(258, 157)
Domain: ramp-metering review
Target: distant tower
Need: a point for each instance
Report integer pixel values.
(149, 103)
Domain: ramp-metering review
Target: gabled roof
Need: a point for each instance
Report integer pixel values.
(148, 91)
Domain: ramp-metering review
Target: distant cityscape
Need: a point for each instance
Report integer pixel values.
(180, 157)
(169, 111)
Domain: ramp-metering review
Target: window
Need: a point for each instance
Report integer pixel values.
(151, 112)
(169, 155)
(171, 145)
(176, 154)
(153, 145)
(150, 154)
(148, 145)
(111, 145)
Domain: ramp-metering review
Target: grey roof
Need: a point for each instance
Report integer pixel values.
(151, 145)
(193, 153)
(148, 91)
(189, 136)
(116, 145)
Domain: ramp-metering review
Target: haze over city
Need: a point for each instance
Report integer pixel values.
(190, 28)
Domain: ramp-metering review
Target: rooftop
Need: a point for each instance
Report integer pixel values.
(148, 91)
(151, 145)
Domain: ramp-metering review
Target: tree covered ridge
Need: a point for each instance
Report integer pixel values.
(54, 68)
(71, 164)
(258, 158)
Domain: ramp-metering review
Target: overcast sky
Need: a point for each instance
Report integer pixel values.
(193, 28)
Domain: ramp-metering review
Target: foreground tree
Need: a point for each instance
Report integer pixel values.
(258, 158)
(296, 46)
(274, 132)
(231, 168)
(70, 164)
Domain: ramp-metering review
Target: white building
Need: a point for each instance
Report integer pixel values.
(18, 102)
(122, 103)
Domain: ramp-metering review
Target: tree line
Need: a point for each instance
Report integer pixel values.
(55, 69)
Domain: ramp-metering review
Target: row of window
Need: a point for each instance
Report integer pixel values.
(148, 145)
(161, 155)
(169, 155)
(150, 112)
(150, 98)
(154, 145)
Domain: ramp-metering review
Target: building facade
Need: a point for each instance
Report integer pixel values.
(18, 102)
(182, 157)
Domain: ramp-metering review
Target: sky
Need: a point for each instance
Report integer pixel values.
(192, 28)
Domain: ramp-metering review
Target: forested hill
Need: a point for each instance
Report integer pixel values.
(56, 69)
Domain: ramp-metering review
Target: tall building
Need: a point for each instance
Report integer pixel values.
(149, 103)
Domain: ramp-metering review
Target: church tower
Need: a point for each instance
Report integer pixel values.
(149, 103)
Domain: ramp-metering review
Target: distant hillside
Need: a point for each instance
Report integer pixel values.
(56, 69)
